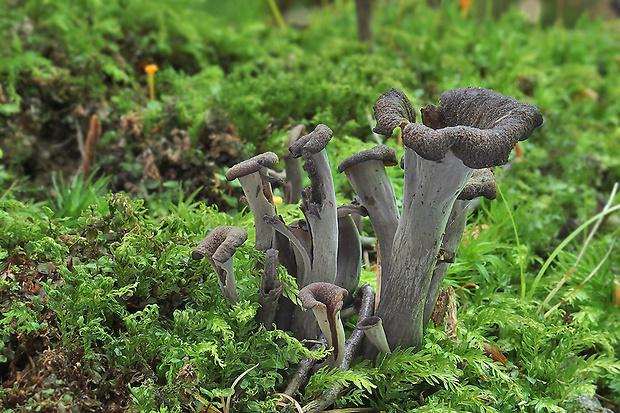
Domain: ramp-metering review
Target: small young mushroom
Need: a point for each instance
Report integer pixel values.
(252, 175)
(219, 247)
(150, 73)
(326, 300)
(373, 329)
(476, 128)
(366, 173)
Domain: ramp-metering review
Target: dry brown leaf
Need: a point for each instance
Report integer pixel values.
(492, 352)
(89, 156)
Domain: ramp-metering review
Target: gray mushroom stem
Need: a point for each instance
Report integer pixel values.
(326, 300)
(303, 264)
(368, 177)
(292, 166)
(219, 247)
(255, 181)
(291, 316)
(349, 246)
(349, 254)
(319, 204)
(452, 237)
(482, 183)
(429, 193)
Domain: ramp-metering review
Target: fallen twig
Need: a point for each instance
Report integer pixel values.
(301, 375)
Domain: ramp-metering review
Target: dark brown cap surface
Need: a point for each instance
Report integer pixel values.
(252, 165)
(383, 153)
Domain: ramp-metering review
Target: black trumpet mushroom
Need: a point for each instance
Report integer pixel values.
(473, 128)
(219, 247)
(256, 184)
(446, 164)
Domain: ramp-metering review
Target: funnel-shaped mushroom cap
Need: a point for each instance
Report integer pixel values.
(481, 127)
(326, 300)
(392, 110)
(373, 328)
(221, 243)
(478, 125)
(481, 183)
(252, 165)
(256, 183)
(313, 142)
(383, 153)
(322, 294)
(219, 247)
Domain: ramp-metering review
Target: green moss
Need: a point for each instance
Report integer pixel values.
(119, 288)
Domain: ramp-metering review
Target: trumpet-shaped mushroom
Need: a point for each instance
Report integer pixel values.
(292, 166)
(366, 173)
(219, 247)
(319, 204)
(473, 128)
(252, 174)
(295, 245)
(373, 329)
(326, 300)
(296, 242)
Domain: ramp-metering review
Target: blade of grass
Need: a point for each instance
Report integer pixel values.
(563, 245)
(514, 227)
(594, 271)
(277, 15)
(583, 250)
(237, 380)
(8, 191)
(289, 398)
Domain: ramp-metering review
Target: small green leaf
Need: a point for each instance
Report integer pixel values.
(48, 211)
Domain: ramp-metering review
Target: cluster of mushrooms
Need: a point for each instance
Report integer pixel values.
(446, 164)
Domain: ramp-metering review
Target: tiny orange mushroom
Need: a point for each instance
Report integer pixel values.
(277, 200)
(150, 72)
(465, 5)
